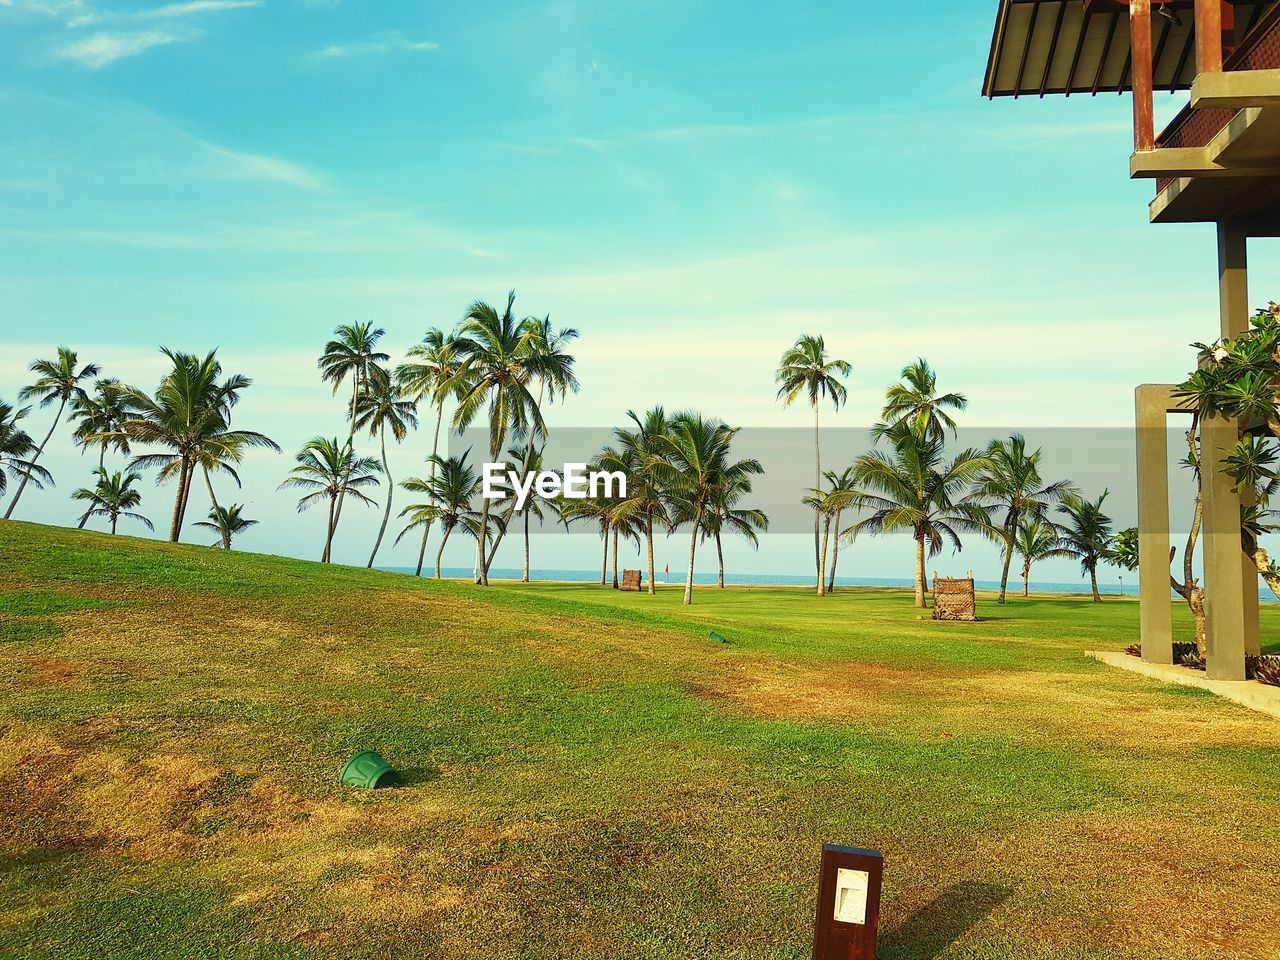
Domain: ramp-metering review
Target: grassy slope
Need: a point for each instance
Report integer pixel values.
(588, 776)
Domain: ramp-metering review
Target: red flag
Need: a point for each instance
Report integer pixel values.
(668, 570)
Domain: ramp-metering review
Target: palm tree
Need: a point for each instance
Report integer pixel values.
(329, 470)
(1086, 535)
(723, 515)
(557, 380)
(915, 490)
(113, 497)
(645, 498)
(829, 504)
(807, 369)
(451, 488)
(590, 508)
(917, 403)
(1010, 488)
(226, 522)
(58, 380)
(625, 525)
(1037, 539)
(16, 448)
(380, 407)
(532, 460)
(501, 359)
(353, 355)
(190, 414)
(842, 482)
(98, 416)
(694, 463)
(217, 456)
(431, 365)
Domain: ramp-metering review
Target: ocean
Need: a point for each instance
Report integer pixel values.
(1113, 588)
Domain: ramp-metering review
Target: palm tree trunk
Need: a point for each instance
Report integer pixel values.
(495, 447)
(114, 518)
(330, 529)
(921, 586)
(526, 544)
(186, 493)
(604, 564)
(176, 524)
(386, 513)
(693, 549)
(1026, 579)
(524, 469)
(615, 556)
(482, 568)
(101, 466)
(39, 450)
(648, 535)
(720, 557)
(822, 576)
(1009, 532)
(351, 436)
(1093, 582)
(817, 486)
(440, 552)
(226, 534)
(435, 449)
(835, 555)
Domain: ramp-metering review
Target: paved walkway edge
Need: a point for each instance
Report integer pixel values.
(1248, 693)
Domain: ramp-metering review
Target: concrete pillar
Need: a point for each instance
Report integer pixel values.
(1233, 295)
(1223, 571)
(1152, 403)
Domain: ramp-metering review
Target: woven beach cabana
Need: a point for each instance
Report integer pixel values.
(953, 599)
(630, 580)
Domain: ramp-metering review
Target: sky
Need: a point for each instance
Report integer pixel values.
(690, 185)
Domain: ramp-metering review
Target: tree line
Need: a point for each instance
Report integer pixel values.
(506, 371)
(908, 484)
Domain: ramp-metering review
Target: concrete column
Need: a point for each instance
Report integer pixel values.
(1152, 402)
(1223, 571)
(1233, 295)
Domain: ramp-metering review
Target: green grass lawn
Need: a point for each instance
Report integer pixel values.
(586, 775)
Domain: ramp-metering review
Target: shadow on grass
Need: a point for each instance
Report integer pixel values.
(415, 776)
(927, 933)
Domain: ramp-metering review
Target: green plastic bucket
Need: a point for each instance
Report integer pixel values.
(717, 637)
(368, 770)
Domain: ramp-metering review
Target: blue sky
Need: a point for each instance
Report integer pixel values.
(689, 185)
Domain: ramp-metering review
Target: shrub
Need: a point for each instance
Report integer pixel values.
(1264, 669)
(1134, 649)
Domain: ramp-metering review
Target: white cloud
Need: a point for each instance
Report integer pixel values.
(231, 164)
(377, 46)
(101, 49)
(80, 14)
(194, 6)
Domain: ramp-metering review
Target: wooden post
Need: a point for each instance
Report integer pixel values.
(1233, 294)
(1144, 129)
(848, 904)
(1155, 609)
(1209, 36)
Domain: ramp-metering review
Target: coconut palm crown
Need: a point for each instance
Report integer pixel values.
(58, 381)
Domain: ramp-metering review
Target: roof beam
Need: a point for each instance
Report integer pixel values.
(1075, 60)
(1053, 45)
(1026, 48)
(1106, 52)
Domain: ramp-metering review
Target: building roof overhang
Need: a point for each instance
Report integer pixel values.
(1043, 47)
